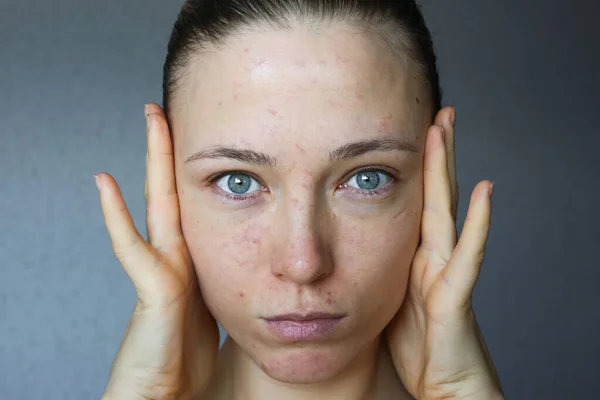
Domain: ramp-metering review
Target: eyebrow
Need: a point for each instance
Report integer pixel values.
(345, 152)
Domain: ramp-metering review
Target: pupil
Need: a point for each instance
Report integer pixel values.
(368, 180)
(239, 184)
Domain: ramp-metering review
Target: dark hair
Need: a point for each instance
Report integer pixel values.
(205, 23)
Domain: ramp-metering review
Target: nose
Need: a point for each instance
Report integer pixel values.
(302, 254)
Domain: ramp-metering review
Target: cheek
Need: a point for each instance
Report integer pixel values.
(379, 255)
(226, 259)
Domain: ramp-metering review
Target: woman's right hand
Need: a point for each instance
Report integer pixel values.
(170, 346)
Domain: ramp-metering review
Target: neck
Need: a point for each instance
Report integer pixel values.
(370, 376)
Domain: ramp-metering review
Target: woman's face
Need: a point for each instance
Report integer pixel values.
(299, 170)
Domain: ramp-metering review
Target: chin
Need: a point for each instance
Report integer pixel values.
(303, 365)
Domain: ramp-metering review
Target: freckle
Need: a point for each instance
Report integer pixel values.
(256, 241)
(301, 149)
(246, 50)
(220, 103)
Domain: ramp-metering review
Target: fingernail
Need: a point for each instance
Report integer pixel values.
(98, 183)
(453, 116)
(492, 189)
(146, 109)
(443, 133)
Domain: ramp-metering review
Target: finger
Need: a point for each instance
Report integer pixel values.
(446, 118)
(132, 251)
(463, 269)
(438, 228)
(162, 212)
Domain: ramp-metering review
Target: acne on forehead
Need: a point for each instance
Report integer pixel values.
(260, 65)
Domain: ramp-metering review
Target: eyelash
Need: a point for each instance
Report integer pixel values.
(364, 193)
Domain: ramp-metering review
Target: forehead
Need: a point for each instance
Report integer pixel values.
(303, 81)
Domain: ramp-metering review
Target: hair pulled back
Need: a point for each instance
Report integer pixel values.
(203, 25)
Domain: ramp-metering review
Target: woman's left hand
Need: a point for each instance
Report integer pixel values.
(434, 339)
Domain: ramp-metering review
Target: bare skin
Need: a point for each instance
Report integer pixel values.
(302, 240)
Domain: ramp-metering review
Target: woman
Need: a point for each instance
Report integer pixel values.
(301, 191)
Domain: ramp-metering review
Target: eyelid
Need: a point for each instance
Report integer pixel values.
(211, 180)
(393, 174)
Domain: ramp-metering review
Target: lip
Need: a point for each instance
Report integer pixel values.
(304, 327)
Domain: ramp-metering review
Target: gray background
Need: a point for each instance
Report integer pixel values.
(74, 75)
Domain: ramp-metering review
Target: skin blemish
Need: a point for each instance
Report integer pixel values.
(334, 103)
(273, 112)
(329, 298)
(418, 101)
(301, 149)
(359, 96)
(342, 60)
(242, 294)
(384, 124)
(300, 63)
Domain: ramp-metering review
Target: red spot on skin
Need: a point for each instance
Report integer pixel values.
(301, 149)
(300, 63)
(341, 59)
(242, 294)
(294, 200)
(384, 124)
(272, 112)
(334, 103)
(235, 97)
(246, 50)
(360, 96)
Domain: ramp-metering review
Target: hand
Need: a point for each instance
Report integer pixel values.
(434, 339)
(170, 345)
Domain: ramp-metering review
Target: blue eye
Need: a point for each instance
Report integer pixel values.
(368, 180)
(238, 184)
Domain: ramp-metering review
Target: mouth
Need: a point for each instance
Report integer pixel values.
(304, 327)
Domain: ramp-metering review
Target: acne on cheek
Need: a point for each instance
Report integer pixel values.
(254, 234)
